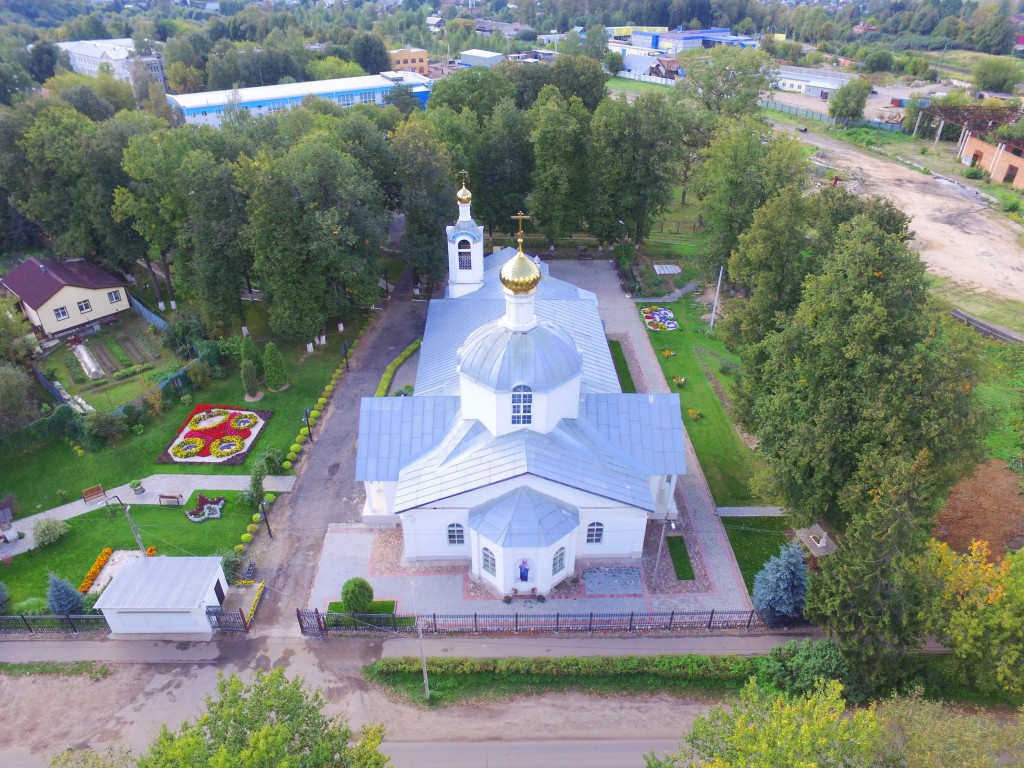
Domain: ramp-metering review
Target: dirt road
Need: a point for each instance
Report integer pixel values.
(957, 235)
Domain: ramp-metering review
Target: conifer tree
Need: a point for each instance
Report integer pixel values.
(247, 351)
(250, 379)
(62, 598)
(781, 587)
(275, 374)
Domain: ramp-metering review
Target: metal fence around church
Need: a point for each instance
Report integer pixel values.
(317, 624)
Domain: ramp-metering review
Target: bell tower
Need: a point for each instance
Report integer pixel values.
(465, 248)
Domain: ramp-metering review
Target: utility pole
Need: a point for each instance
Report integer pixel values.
(135, 530)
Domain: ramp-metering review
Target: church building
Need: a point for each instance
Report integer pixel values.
(518, 453)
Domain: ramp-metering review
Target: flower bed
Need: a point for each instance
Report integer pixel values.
(218, 434)
(97, 566)
(659, 318)
(206, 509)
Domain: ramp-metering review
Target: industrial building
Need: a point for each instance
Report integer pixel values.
(208, 108)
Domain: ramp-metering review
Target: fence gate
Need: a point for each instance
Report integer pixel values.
(227, 621)
(310, 622)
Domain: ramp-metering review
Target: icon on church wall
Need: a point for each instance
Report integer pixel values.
(524, 570)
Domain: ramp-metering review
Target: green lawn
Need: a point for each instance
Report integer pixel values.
(621, 367)
(161, 526)
(39, 475)
(621, 84)
(754, 541)
(1002, 381)
(680, 558)
(985, 306)
(727, 463)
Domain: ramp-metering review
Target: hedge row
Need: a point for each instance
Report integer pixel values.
(685, 667)
(389, 372)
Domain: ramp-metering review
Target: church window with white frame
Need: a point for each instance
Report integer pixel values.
(456, 534)
(465, 255)
(558, 562)
(522, 405)
(595, 533)
(489, 564)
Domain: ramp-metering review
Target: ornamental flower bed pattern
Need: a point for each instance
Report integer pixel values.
(659, 319)
(97, 566)
(215, 434)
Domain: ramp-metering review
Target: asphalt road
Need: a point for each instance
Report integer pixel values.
(516, 754)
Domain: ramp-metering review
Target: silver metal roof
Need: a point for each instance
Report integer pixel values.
(649, 427)
(524, 518)
(573, 454)
(395, 430)
(161, 584)
(499, 358)
(450, 322)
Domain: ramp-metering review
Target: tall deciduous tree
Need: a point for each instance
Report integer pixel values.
(503, 163)
(975, 606)
(16, 408)
(729, 81)
(580, 76)
(16, 342)
(763, 730)
(849, 101)
(269, 721)
(476, 88)
(865, 363)
(316, 220)
(427, 182)
(561, 174)
(744, 166)
(635, 149)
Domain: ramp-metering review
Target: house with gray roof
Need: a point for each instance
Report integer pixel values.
(518, 455)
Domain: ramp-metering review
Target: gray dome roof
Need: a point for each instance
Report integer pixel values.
(542, 358)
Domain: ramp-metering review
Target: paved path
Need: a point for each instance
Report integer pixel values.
(155, 485)
(751, 512)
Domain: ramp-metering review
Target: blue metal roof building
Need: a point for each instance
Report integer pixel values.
(208, 108)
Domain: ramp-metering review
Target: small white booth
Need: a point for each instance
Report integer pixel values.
(165, 596)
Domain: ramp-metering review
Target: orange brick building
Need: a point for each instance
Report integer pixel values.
(409, 60)
(1003, 161)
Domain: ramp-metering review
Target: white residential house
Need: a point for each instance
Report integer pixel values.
(60, 297)
(518, 454)
(118, 54)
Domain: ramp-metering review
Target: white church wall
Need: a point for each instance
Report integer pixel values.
(479, 403)
(494, 411)
(663, 489)
(425, 532)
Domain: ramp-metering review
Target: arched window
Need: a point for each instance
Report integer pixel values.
(456, 535)
(595, 533)
(465, 255)
(558, 562)
(522, 405)
(490, 566)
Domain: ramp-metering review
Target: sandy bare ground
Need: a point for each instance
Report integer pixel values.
(128, 707)
(957, 235)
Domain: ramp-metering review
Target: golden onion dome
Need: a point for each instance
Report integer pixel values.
(464, 196)
(520, 274)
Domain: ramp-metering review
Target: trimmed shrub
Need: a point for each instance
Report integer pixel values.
(250, 378)
(357, 594)
(272, 459)
(275, 373)
(286, 464)
(389, 372)
(251, 528)
(793, 668)
(5, 597)
(49, 531)
(296, 449)
(290, 457)
(300, 439)
(231, 562)
(322, 401)
(304, 431)
(246, 538)
(61, 597)
(780, 589)
(314, 414)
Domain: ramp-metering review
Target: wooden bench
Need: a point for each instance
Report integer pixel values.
(96, 493)
(175, 499)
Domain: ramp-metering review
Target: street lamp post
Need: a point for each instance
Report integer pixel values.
(308, 427)
(127, 508)
(623, 230)
(344, 351)
(265, 509)
(661, 543)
